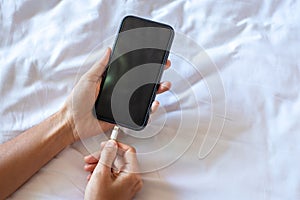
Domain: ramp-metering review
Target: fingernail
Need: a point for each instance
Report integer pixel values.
(110, 143)
(165, 85)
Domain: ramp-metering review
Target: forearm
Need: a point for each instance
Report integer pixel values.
(24, 155)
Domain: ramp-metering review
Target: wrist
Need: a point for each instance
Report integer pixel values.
(67, 119)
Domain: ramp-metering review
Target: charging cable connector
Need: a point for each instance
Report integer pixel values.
(114, 133)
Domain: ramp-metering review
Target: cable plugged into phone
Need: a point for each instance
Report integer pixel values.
(114, 133)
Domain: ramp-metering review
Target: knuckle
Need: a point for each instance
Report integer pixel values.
(132, 149)
(141, 184)
(102, 144)
(133, 178)
(137, 178)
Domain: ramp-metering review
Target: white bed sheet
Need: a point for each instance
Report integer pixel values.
(247, 103)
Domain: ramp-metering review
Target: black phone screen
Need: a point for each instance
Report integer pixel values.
(132, 76)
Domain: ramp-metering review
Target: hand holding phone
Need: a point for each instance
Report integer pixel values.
(134, 71)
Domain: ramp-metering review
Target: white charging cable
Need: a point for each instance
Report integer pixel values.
(114, 133)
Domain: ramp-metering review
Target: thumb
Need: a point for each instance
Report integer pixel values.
(107, 157)
(99, 67)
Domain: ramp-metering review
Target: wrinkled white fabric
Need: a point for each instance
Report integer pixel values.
(229, 130)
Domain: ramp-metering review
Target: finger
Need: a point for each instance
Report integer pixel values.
(168, 64)
(138, 185)
(154, 106)
(164, 86)
(119, 161)
(92, 158)
(90, 167)
(131, 162)
(124, 147)
(102, 145)
(107, 157)
(89, 177)
(129, 157)
(98, 68)
(97, 90)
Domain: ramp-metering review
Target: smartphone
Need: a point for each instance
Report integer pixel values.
(133, 74)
